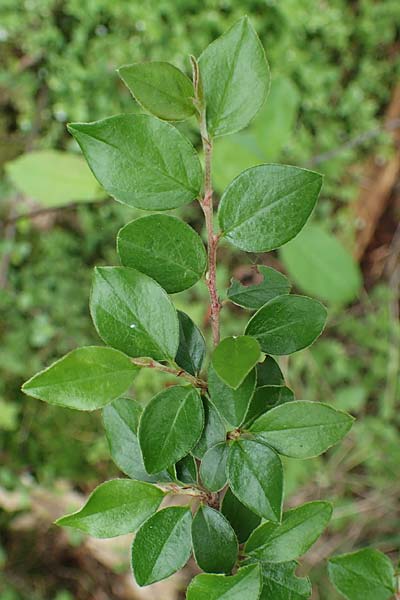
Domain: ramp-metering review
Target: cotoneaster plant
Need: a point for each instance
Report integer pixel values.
(215, 441)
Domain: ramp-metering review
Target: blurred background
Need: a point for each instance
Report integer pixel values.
(334, 107)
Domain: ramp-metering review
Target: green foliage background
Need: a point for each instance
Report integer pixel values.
(58, 65)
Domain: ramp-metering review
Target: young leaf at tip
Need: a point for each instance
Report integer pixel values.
(141, 161)
(160, 88)
(115, 508)
(84, 379)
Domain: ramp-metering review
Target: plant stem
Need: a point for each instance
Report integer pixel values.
(149, 363)
(206, 204)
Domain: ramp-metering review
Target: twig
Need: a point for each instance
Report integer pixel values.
(149, 363)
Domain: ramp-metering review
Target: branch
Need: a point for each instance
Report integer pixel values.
(149, 363)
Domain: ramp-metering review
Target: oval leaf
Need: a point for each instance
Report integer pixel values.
(321, 266)
(302, 429)
(215, 546)
(266, 206)
(269, 373)
(214, 430)
(160, 88)
(170, 426)
(121, 422)
(233, 92)
(265, 398)
(213, 467)
(141, 161)
(234, 358)
(85, 379)
(287, 324)
(255, 476)
(133, 313)
(164, 248)
(245, 585)
(254, 297)
(192, 345)
(281, 583)
(231, 404)
(363, 575)
(115, 508)
(299, 530)
(162, 545)
(242, 519)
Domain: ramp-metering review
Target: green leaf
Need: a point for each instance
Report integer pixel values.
(192, 346)
(170, 426)
(302, 429)
(215, 546)
(234, 358)
(266, 206)
(255, 296)
(231, 404)
(141, 161)
(287, 324)
(164, 248)
(363, 575)
(214, 430)
(265, 398)
(255, 476)
(160, 88)
(233, 92)
(53, 178)
(321, 266)
(133, 313)
(245, 585)
(299, 530)
(269, 373)
(186, 470)
(114, 508)
(84, 379)
(121, 422)
(162, 545)
(213, 467)
(281, 583)
(242, 519)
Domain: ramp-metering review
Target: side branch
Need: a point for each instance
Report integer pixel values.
(149, 363)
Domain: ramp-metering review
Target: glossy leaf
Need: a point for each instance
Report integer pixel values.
(121, 422)
(255, 296)
(231, 404)
(255, 476)
(84, 379)
(299, 530)
(321, 266)
(160, 88)
(133, 313)
(269, 373)
(281, 583)
(287, 324)
(53, 178)
(192, 346)
(265, 398)
(266, 206)
(233, 92)
(302, 429)
(245, 585)
(242, 519)
(363, 575)
(186, 470)
(214, 430)
(114, 508)
(170, 426)
(141, 161)
(234, 358)
(215, 546)
(165, 248)
(162, 545)
(213, 467)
